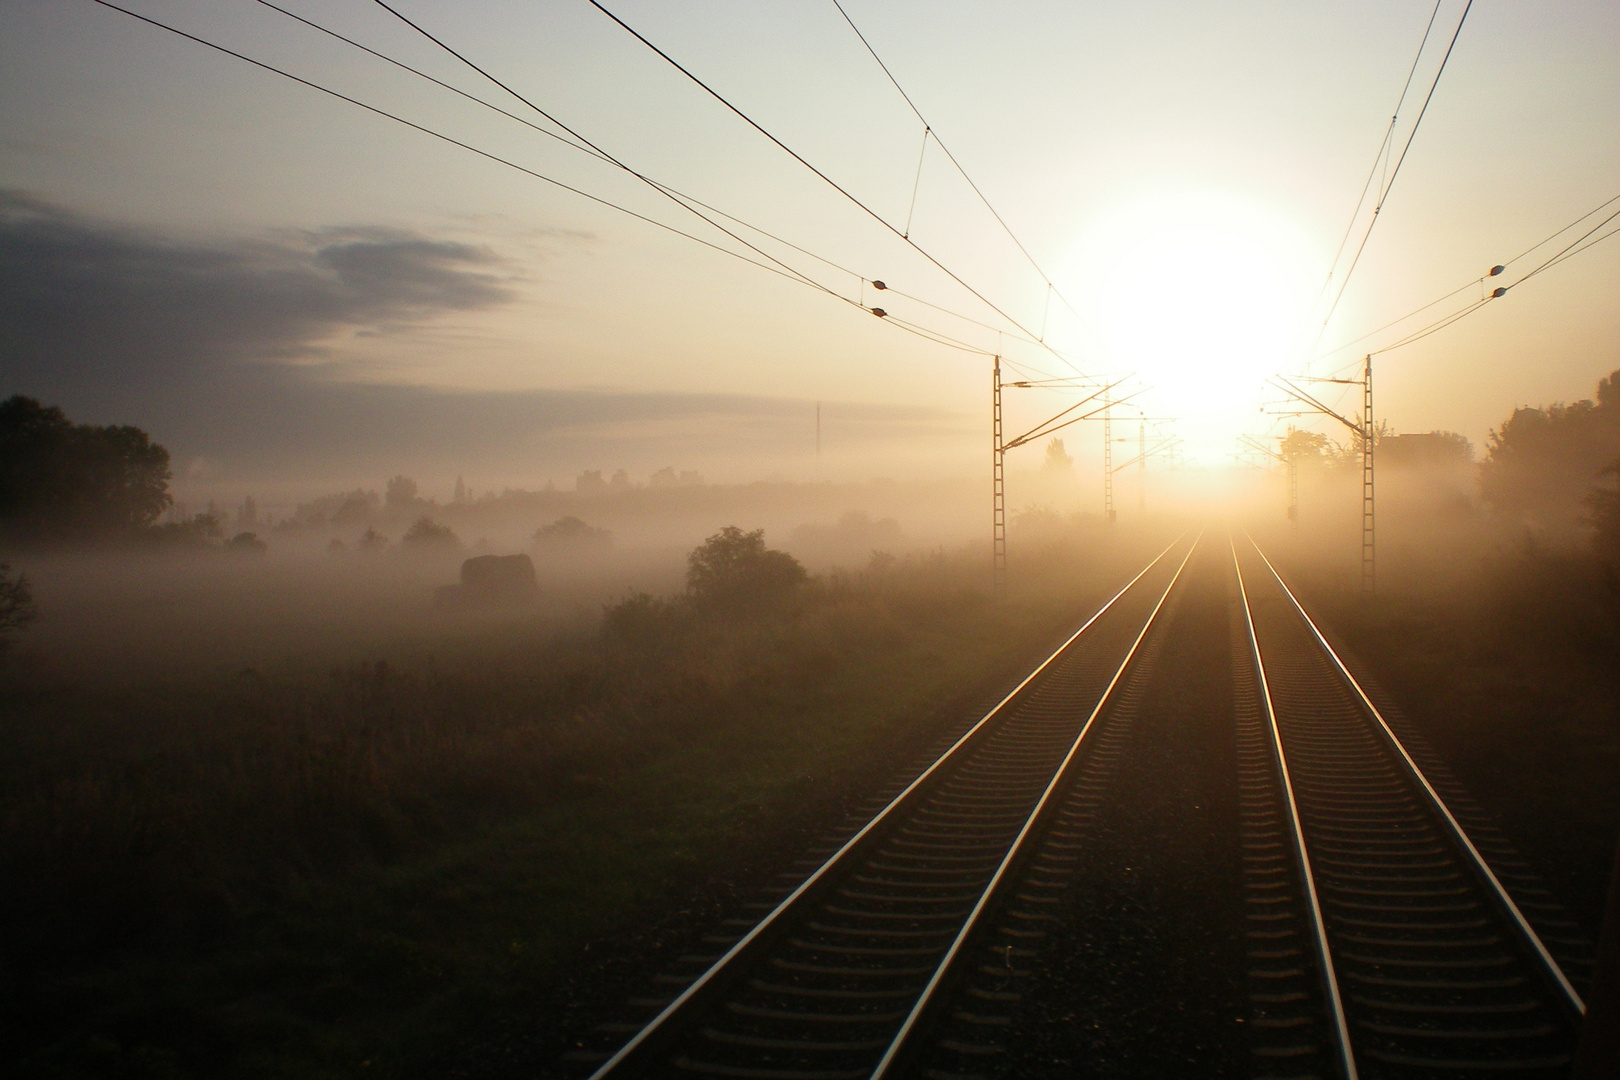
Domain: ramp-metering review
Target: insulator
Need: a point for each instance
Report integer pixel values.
(879, 312)
(879, 285)
(1496, 270)
(1496, 293)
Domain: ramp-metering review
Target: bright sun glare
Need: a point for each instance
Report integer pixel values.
(1202, 297)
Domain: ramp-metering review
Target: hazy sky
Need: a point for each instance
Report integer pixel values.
(279, 284)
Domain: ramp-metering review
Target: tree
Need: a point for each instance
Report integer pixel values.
(573, 532)
(734, 569)
(1604, 503)
(1541, 462)
(65, 481)
(1300, 445)
(16, 605)
(400, 494)
(1057, 458)
(425, 533)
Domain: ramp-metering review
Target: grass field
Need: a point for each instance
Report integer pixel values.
(353, 869)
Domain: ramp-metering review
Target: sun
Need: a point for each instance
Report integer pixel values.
(1202, 296)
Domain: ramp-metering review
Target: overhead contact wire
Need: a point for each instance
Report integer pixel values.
(792, 276)
(829, 181)
(928, 128)
(1569, 251)
(607, 156)
(586, 145)
(1387, 186)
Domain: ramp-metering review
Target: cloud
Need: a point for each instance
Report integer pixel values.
(213, 347)
(83, 300)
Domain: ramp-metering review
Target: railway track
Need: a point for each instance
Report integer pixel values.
(837, 980)
(1381, 942)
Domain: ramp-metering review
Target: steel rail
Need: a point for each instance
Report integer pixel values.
(656, 1025)
(1499, 893)
(925, 999)
(1341, 1026)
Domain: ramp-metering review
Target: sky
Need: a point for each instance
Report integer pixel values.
(292, 292)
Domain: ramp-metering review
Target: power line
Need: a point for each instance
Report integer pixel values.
(928, 130)
(1569, 251)
(1497, 294)
(1387, 186)
(582, 148)
(788, 274)
(604, 154)
(874, 215)
(596, 151)
(1566, 252)
(1383, 150)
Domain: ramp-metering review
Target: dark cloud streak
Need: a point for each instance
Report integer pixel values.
(83, 300)
(214, 349)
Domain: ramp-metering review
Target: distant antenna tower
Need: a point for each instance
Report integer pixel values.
(818, 431)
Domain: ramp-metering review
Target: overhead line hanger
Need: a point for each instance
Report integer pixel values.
(788, 273)
(873, 214)
(597, 151)
(1388, 185)
(929, 132)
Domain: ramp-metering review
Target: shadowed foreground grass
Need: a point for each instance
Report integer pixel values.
(346, 873)
(1513, 669)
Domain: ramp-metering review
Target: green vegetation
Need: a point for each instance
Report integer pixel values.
(351, 871)
(61, 481)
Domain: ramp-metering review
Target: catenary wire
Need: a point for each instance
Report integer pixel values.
(928, 131)
(874, 215)
(798, 278)
(1569, 251)
(680, 198)
(1394, 174)
(1382, 155)
(607, 156)
(591, 151)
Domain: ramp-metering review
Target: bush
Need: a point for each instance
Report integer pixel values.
(427, 534)
(572, 532)
(195, 531)
(16, 605)
(246, 543)
(734, 569)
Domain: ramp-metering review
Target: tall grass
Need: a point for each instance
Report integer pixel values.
(169, 828)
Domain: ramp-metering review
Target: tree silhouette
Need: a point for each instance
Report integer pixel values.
(425, 533)
(65, 481)
(734, 569)
(573, 532)
(16, 605)
(401, 493)
(1542, 462)
(1604, 502)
